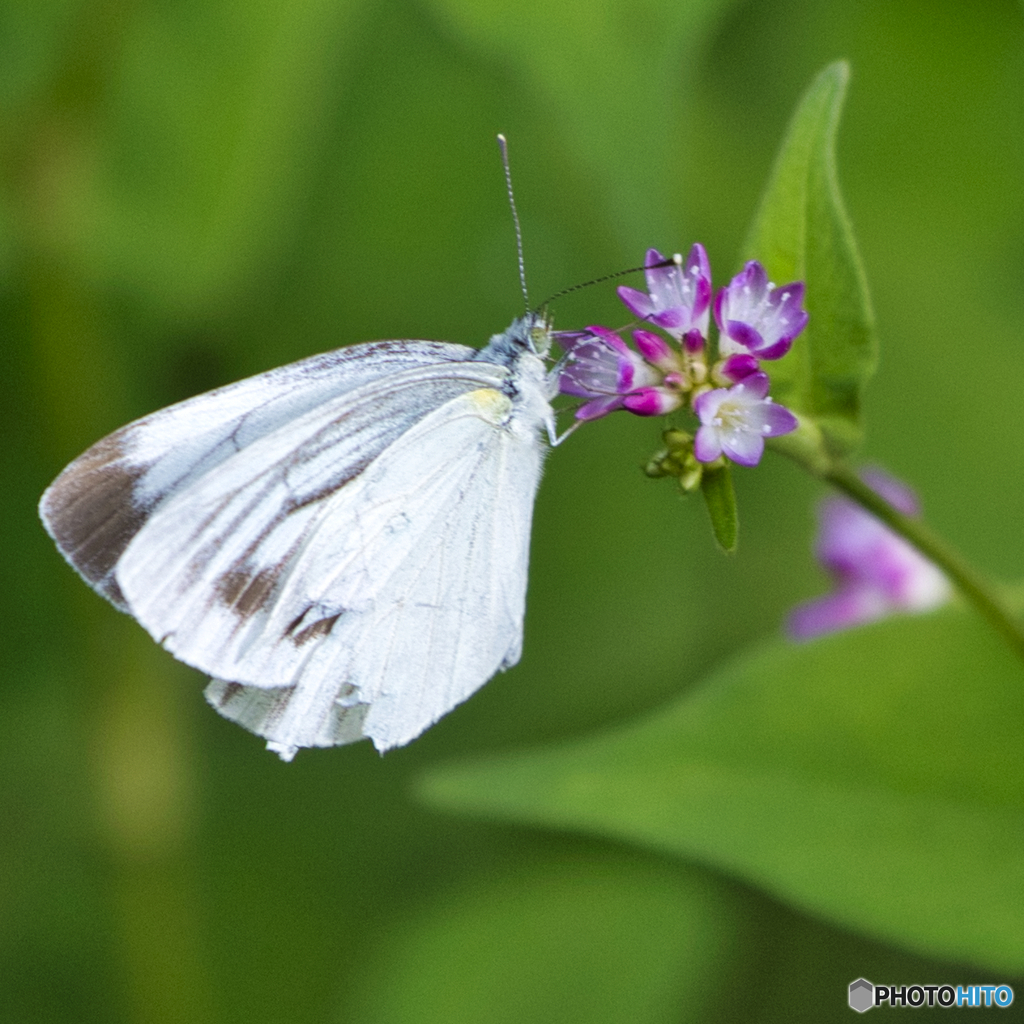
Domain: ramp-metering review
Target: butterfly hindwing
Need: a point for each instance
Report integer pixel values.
(425, 601)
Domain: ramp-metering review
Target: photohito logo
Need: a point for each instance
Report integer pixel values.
(863, 995)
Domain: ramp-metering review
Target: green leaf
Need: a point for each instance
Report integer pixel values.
(720, 501)
(587, 935)
(802, 232)
(873, 778)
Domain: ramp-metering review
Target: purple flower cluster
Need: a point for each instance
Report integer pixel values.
(876, 572)
(756, 321)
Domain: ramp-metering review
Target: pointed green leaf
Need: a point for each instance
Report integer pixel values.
(720, 501)
(802, 232)
(874, 778)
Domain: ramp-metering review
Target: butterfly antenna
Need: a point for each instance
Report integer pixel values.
(676, 259)
(503, 145)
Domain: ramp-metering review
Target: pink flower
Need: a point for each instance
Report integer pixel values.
(735, 421)
(658, 377)
(601, 367)
(678, 297)
(756, 317)
(876, 572)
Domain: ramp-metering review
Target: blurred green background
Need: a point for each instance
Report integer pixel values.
(194, 192)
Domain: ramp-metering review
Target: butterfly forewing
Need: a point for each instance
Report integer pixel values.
(103, 498)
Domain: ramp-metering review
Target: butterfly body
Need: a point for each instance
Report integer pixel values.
(341, 543)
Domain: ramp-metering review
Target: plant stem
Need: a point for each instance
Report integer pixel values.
(972, 584)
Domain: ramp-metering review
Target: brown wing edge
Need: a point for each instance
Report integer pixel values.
(91, 513)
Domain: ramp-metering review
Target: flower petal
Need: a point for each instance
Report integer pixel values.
(776, 420)
(738, 366)
(707, 445)
(743, 447)
(851, 606)
(598, 407)
(652, 402)
(637, 302)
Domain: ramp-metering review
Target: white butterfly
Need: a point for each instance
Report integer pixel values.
(341, 543)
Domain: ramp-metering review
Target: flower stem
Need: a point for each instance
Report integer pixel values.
(972, 584)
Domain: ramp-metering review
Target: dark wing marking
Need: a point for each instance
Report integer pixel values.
(92, 514)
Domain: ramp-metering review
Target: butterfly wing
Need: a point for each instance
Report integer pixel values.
(350, 565)
(99, 503)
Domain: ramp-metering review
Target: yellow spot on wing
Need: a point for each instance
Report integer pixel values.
(490, 404)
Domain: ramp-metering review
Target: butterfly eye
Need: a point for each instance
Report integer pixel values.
(540, 338)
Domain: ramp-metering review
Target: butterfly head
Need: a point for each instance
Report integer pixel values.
(526, 334)
(531, 332)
